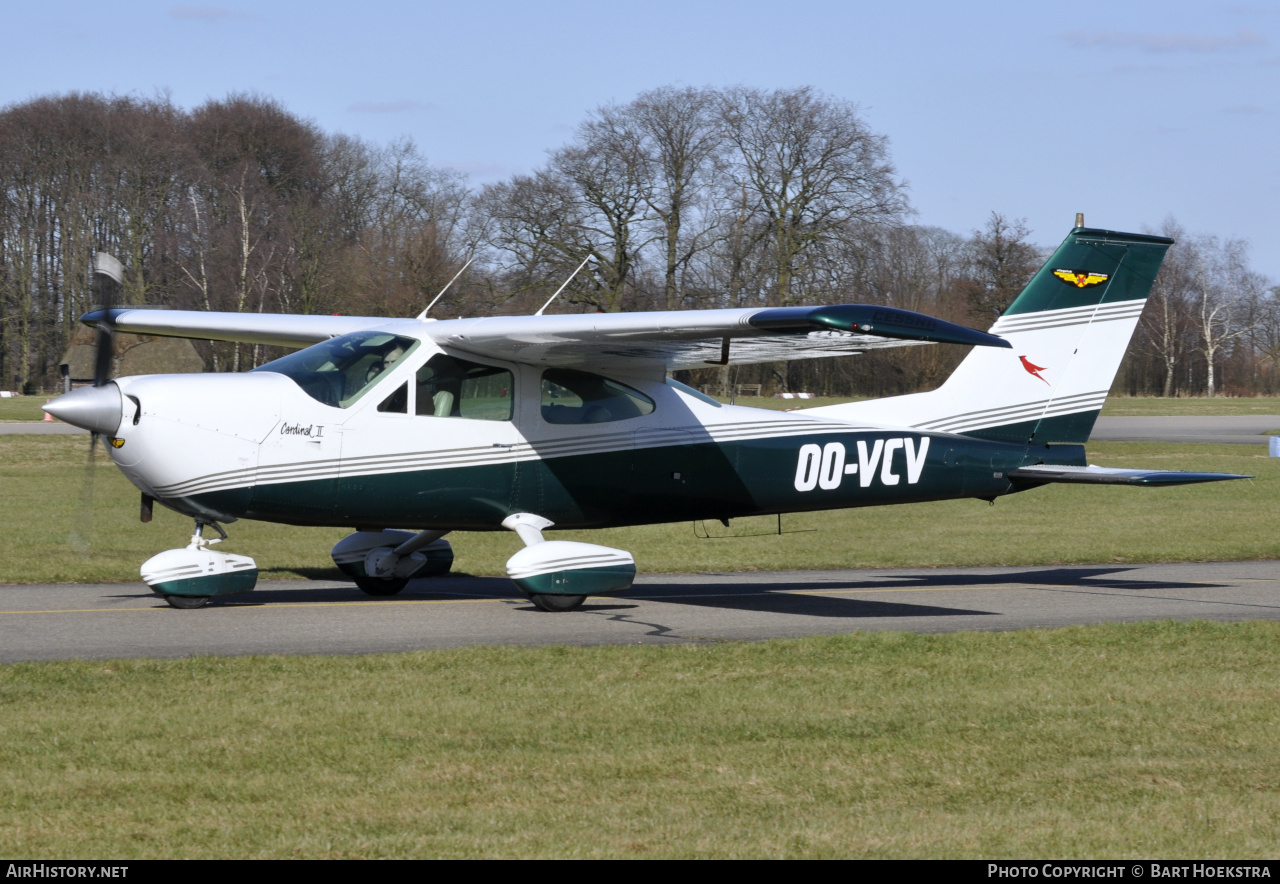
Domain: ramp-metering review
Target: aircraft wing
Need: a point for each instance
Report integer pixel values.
(604, 341)
(698, 338)
(285, 330)
(1091, 475)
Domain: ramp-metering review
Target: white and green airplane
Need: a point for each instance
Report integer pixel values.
(407, 429)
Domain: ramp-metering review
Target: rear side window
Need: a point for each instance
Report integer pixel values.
(450, 387)
(578, 397)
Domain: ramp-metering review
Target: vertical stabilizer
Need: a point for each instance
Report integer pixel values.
(1069, 329)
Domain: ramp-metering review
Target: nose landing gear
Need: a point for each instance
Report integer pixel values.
(189, 577)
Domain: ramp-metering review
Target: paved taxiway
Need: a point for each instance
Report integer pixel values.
(1240, 429)
(100, 621)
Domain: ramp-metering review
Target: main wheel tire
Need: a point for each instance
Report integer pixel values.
(378, 586)
(557, 603)
(187, 602)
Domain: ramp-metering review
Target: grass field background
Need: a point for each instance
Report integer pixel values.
(22, 408)
(43, 478)
(1155, 740)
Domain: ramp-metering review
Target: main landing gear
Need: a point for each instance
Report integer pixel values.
(383, 562)
(558, 575)
(189, 577)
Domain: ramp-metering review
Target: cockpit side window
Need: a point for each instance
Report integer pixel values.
(578, 397)
(451, 387)
(337, 372)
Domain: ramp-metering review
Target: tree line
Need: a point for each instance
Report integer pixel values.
(683, 198)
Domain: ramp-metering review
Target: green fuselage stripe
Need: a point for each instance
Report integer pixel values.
(706, 480)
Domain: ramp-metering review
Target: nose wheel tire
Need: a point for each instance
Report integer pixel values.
(556, 603)
(378, 586)
(187, 602)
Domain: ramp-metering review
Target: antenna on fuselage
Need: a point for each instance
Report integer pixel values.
(423, 314)
(566, 282)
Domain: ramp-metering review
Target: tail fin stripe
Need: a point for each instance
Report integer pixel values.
(1062, 323)
(988, 423)
(1065, 312)
(1079, 310)
(1030, 412)
(1029, 322)
(1037, 403)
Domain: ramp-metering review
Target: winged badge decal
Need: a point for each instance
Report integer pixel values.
(1081, 279)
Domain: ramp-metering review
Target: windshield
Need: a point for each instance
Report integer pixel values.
(338, 372)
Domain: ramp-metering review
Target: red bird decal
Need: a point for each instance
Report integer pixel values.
(1033, 369)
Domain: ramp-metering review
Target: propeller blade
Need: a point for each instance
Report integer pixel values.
(81, 539)
(107, 277)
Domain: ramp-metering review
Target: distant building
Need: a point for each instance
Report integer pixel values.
(136, 355)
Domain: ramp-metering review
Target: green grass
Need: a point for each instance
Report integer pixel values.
(1200, 406)
(43, 481)
(22, 408)
(1148, 741)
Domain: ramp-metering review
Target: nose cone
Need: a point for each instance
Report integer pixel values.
(97, 409)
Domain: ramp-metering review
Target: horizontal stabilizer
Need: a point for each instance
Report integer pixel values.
(1091, 475)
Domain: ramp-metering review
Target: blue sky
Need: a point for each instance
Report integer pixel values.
(1130, 112)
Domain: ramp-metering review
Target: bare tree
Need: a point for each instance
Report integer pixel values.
(1002, 262)
(675, 138)
(609, 181)
(814, 167)
(534, 224)
(1166, 317)
(1220, 283)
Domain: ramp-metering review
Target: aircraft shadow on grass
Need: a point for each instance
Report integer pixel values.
(796, 597)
